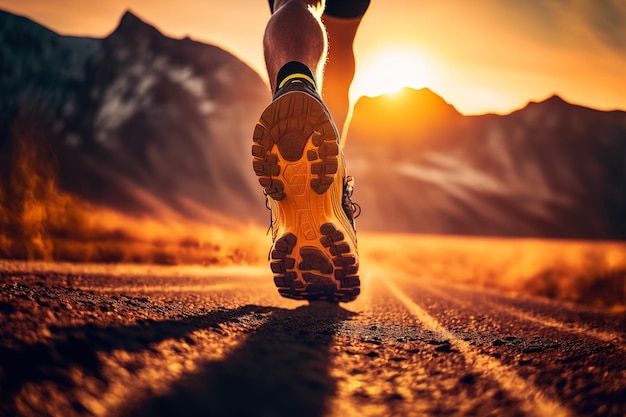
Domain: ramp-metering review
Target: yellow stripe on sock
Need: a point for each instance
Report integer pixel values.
(296, 75)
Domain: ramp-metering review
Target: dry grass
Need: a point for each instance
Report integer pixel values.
(108, 237)
(588, 272)
(40, 222)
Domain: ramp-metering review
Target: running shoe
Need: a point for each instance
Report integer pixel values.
(301, 167)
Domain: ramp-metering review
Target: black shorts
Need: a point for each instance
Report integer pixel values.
(345, 9)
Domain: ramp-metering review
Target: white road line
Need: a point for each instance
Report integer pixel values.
(544, 321)
(532, 400)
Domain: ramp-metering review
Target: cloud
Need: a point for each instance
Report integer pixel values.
(607, 21)
(573, 24)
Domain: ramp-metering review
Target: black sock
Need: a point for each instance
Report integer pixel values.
(291, 68)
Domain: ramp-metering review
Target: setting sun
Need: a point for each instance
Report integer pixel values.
(390, 70)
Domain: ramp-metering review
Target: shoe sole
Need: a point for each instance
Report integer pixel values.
(296, 157)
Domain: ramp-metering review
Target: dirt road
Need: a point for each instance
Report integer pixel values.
(157, 341)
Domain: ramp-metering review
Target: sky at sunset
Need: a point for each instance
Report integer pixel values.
(481, 56)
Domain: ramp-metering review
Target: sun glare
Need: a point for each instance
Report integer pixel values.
(390, 70)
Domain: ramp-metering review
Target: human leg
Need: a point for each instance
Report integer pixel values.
(340, 69)
(295, 33)
(300, 166)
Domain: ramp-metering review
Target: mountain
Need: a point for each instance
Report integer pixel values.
(551, 169)
(150, 125)
(408, 116)
(137, 121)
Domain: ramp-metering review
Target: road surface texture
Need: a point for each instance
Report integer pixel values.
(167, 341)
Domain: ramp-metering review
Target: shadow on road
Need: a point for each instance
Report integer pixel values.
(79, 345)
(282, 369)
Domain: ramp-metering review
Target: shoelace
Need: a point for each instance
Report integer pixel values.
(352, 209)
(267, 206)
